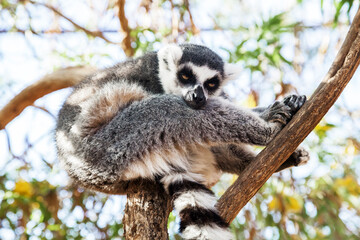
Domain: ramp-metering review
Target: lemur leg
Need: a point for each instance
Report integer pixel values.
(299, 157)
(234, 159)
(150, 137)
(195, 204)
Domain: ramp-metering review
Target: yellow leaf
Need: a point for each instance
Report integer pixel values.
(274, 204)
(343, 182)
(250, 101)
(35, 205)
(349, 183)
(23, 188)
(323, 126)
(334, 165)
(351, 148)
(293, 205)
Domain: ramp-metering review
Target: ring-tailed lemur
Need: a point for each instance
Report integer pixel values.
(161, 116)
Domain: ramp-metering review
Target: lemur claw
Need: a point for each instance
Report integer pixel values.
(300, 156)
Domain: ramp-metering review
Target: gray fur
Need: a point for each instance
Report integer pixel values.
(168, 122)
(158, 123)
(131, 121)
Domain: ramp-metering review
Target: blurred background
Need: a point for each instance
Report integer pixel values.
(283, 47)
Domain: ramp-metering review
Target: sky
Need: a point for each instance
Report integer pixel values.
(24, 59)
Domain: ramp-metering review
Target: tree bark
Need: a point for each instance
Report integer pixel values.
(57, 80)
(146, 212)
(266, 163)
(125, 29)
(148, 206)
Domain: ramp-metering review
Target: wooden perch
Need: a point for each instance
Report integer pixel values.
(125, 29)
(257, 172)
(147, 211)
(62, 78)
(284, 144)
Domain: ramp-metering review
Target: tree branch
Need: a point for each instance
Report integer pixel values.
(147, 210)
(62, 78)
(125, 29)
(77, 26)
(194, 29)
(265, 164)
(270, 158)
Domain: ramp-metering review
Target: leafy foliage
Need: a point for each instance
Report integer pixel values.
(267, 51)
(281, 52)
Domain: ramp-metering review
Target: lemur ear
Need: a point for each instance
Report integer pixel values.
(232, 71)
(169, 56)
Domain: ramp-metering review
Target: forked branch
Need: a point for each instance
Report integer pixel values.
(266, 163)
(272, 156)
(62, 78)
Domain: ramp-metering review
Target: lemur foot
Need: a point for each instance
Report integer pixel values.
(295, 102)
(300, 156)
(282, 111)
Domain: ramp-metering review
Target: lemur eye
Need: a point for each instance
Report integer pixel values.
(184, 76)
(212, 84)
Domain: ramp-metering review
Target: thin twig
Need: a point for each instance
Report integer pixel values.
(98, 34)
(125, 29)
(194, 29)
(45, 110)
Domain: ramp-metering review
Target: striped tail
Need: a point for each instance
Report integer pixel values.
(195, 204)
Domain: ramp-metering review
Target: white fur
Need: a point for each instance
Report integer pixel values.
(179, 177)
(108, 89)
(75, 129)
(195, 199)
(232, 71)
(64, 142)
(202, 161)
(167, 72)
(202, 73)
(99, 75)
(82, 95)
(101, 105)
(154, 164)
(208, 232)
(68, 152)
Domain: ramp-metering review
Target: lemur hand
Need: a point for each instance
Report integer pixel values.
(283, 111)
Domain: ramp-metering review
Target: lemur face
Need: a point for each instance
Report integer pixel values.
(193, 72)
(198, 83)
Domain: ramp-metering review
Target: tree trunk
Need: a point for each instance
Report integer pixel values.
(146, 212)
(148, 206)
(280, 148)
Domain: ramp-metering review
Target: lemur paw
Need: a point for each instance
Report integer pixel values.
(277, 112)
(300, 156)
(283, 111)
(295, 102)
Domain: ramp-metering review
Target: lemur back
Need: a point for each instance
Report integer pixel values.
(162, 115)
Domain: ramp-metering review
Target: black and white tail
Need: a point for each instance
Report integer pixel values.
(195, 204)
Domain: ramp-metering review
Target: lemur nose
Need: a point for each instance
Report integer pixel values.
(198, 98)
(198, 95)
(195, 98)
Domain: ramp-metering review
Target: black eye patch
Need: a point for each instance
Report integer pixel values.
(212, 84)
(186, 76)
